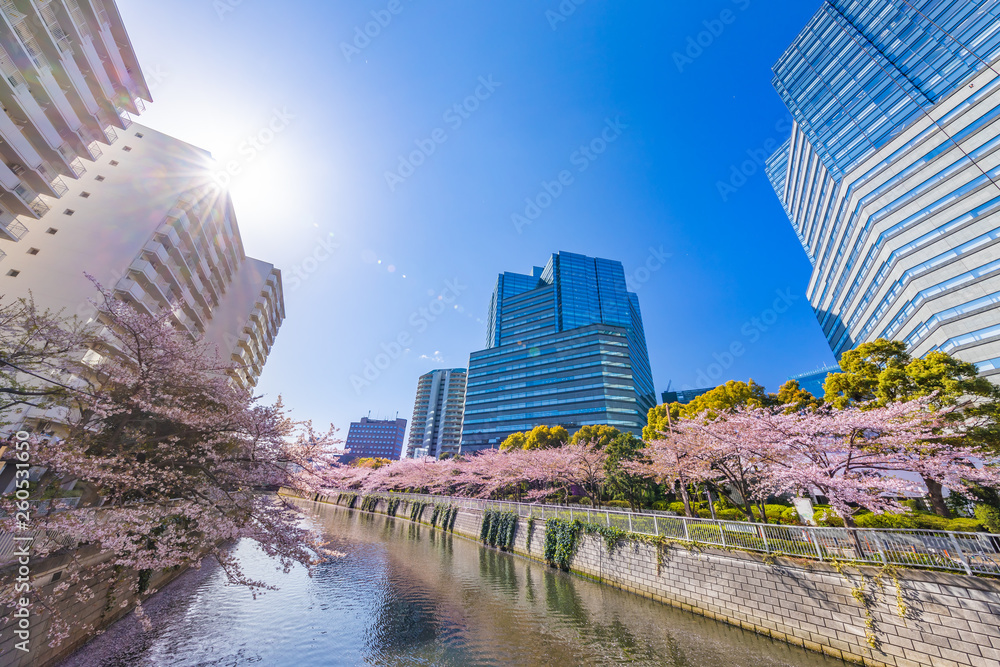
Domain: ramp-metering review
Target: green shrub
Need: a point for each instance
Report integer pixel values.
(498, 528)
(916, 504)
(586, 501)
(393, 506)
(928, 521)
(368, 503)
(989, 516)
(790, 517)
(618, 503)
(885, 520)
(963, 525)
(730, 515)
(705, 514)
(560, 541)
(661, 506)
(827, 517)
(676, 507)
(774, 512)
(573, 500)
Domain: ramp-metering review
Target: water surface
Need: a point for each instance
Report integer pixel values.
(411, 595)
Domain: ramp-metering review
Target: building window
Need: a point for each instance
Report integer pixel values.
(85, 195)
(114, 163)
(69, 211)
(13, 273)
(99, 178)
(51, 230)
(138, 135)
(127, 149)
(32, 251)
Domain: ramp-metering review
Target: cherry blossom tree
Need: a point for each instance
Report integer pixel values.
(855, 457)
(182, 460)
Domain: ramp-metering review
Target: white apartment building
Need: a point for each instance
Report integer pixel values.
(436, 427)
(85, 191)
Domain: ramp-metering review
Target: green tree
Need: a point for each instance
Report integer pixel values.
(546, 437)
(657, 422)
(619, 481)
(727, 396)
(598, 435)
(881, 372)
(796, 398)
(513, 441)
(540, 437)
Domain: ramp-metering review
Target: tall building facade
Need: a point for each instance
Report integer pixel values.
(565, 346)
(148, 223)
(436, 427)
(684, 396)
(815, 381)
(86, 191)
(70, 80)
(890, 176)
(375, 438)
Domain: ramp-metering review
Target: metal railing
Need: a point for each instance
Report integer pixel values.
(971, 553)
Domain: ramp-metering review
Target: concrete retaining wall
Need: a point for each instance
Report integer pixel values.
(949, 620)
(110, 601)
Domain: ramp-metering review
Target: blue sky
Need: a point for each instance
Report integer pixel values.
(389, 191)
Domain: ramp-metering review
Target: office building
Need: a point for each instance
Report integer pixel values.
(814, 381)
(565, 346)
(684, 396)
(86, 191)
(436, 427)
(890, 176)
(374, 438)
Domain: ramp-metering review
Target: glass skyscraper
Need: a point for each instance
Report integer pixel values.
(890, 176)
(564, 346)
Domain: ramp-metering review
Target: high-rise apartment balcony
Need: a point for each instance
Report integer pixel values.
(92, 63)
(107, 126)
(131, 291)
(10, 228)
(173, 266)
(19, 198)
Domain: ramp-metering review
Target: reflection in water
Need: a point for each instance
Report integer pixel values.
(411, 595)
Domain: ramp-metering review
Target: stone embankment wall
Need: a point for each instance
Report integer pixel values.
(110, 601)
(913, 617)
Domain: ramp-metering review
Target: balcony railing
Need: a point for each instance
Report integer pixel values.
(31, 200)
(125, 117)
(971, 553)
(11, 228)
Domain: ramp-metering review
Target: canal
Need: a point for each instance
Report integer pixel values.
(405, 594)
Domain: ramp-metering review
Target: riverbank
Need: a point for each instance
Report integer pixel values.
(402, 593)
(100, 597)
(866, 615)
